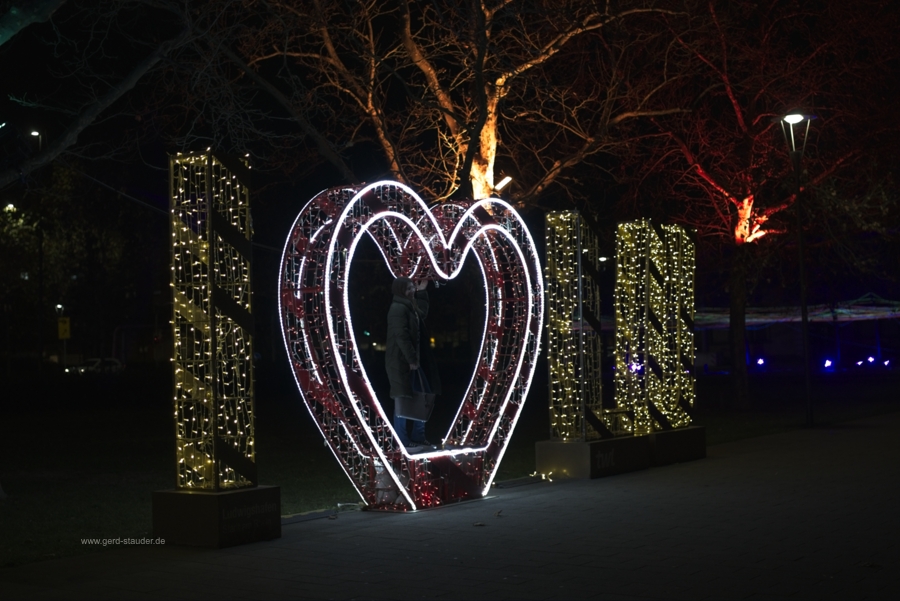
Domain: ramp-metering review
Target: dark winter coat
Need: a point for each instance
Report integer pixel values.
(404, 333)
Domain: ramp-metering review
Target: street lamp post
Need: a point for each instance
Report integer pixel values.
(796, 149)
(37, 135)
(63, 326)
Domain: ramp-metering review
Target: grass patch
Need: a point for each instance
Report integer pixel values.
(292, 454)
(71, 476)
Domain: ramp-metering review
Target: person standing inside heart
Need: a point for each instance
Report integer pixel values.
(404, 354)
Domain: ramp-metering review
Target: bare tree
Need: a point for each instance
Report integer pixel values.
(447, 92)
(443, 94)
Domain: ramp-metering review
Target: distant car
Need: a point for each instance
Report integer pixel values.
(97, 366)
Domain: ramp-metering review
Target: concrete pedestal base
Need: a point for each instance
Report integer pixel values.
(610, 456)
(593, 459)
(217, 519)
(680, 445)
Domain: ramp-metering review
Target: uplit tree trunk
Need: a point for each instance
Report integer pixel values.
(482, 171)
(737, 288)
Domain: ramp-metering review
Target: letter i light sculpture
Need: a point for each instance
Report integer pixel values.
(212, 324)
(418, 242)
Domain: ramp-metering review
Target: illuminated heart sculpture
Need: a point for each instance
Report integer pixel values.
(418, 242)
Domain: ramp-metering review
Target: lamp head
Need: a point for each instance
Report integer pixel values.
(796, 141)
(503, 183)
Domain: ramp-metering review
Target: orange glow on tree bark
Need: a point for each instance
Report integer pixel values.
(748, 227)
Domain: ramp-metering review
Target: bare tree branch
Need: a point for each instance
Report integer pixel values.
(90, 113)
(322, 144)
(23, 13)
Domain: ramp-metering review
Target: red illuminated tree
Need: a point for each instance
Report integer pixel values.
(723, 167)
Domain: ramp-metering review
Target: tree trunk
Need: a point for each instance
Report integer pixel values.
(482, 172)
(737, 289)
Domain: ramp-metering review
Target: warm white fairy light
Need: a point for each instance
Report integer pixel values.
(654, 324)
(574, 349)
(212, 360)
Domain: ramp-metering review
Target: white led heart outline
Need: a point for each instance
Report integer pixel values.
(433, 478)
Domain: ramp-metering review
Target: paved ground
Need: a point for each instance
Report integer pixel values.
(808, 514)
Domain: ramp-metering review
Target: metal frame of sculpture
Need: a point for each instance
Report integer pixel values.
(420, 242)
(574, 348)
(654, 302)
(211, 324)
